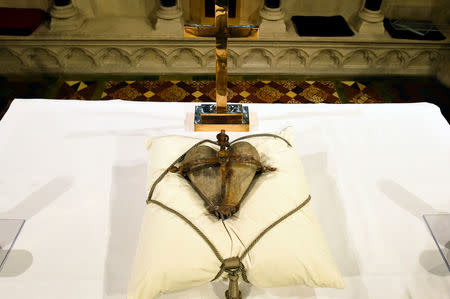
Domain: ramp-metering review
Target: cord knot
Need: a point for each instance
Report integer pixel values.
(233, 267)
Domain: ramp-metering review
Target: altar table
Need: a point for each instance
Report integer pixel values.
(76, 171)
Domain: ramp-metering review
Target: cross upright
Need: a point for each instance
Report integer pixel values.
(222, 113)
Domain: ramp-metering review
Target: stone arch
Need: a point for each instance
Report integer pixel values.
(185, 57)
(256, 58)
(326, 58)
(150, 57)
(10, 61)
(425, 60)
(41, 58)
(393, 59)
(291, 58)
(359, 58)
(76, 56)
(114, 56)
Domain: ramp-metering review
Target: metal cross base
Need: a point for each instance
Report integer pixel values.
(207, 118)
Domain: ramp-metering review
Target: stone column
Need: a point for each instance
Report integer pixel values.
(169, 19)
(65, 16)
(272, 19)
(370, 19)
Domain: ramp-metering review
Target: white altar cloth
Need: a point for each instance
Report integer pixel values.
(76, 171)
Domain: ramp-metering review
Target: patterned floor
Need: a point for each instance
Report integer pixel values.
(241, 89)
(281, 91)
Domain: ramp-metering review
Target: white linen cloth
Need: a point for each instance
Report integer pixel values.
(77, 170)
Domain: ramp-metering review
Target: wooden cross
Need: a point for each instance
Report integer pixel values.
(222, 117)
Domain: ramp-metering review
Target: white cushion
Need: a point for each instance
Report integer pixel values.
(172, 256)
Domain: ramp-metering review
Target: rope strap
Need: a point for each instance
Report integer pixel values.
(261, 135)
(192, 225)
(256, 240)
(253, 243)
(233, 264)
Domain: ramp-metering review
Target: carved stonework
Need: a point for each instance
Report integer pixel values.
(169, 20)
(325, 59)
(369, 20)
(41, 59)
(425, 59)
(115, 57)
(199, 58)
(256, 58)
(393, 59)
(150, 58)
(148, 39)
(272, 21)
(292, 58)
(76, 57)
(359, 59)
(9, 60)
(65, 17)
(185, 57)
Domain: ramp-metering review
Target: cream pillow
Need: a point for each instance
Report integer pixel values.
(172, 256)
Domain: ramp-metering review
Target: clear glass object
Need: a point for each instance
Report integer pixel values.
(439, 226)
(418, 27)
(211, 108)
(9, 231)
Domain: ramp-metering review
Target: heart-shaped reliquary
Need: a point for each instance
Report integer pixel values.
(222, 178)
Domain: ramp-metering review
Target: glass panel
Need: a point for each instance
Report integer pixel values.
(439, 226)
(211, 108)
(9, 231)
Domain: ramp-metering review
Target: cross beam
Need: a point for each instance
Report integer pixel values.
(223, 116)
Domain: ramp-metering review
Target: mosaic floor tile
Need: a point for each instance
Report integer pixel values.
(360, 93)
(239, 91)
(316, 92)
(83, 90)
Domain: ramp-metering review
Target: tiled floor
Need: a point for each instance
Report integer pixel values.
(241, 89)
(360, 92)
